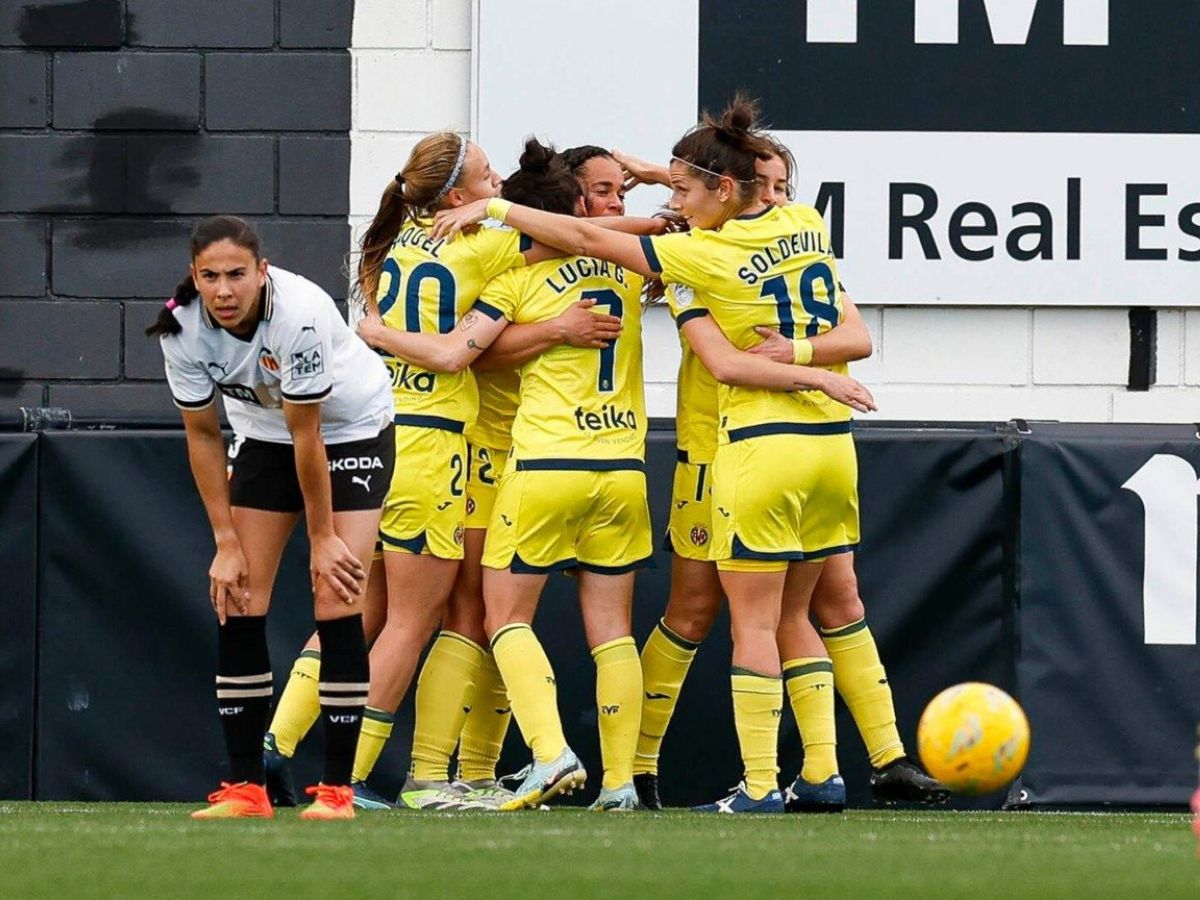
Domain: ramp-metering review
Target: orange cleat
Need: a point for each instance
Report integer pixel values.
(330, 801)
(237, 801)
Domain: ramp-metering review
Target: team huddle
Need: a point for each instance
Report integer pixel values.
(495, 436)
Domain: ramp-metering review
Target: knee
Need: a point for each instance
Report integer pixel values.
(837, 603)
(690, 624)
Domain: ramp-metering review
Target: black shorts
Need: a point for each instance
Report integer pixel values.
(262, 475)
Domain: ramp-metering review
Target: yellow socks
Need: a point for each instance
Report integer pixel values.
(666, 658)
(531, 689)
(619, 702)
(862, 682)
(809, 683)
(444, 688)
(486, 725)
(757, 705)
(376, 729)
(299, 706)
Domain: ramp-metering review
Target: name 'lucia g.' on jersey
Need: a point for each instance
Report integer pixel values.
(301, 351)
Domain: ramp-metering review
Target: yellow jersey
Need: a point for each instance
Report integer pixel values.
(499, 395)
(427, 285)
(695, 402)
(774, 268)
(580, 408)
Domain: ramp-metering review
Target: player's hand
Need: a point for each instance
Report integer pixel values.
(670, 222)
(371, 329)
(579, 326)
(847, 390)
(449, 223)
(774, 346)
(639, 171)
(228, 577)
(332, 560)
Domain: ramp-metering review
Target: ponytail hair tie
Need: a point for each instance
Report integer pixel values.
(400, 179)
(171, 303)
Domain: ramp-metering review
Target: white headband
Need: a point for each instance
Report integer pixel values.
(687, 162)
(454, 173)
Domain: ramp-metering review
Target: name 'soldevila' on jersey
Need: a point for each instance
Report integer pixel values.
(301, 351)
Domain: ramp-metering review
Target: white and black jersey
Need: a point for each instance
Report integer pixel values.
(302, 351)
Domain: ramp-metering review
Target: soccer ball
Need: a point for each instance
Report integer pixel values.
(973, 738)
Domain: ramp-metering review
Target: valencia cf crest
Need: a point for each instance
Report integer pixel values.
(267, 361)
(699, 535)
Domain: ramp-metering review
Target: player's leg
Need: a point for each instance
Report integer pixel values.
(862, 680)
(755, 592)
(808, 679)
(243, 682)
(607, 605)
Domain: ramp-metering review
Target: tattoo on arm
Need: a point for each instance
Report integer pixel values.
(468, 321)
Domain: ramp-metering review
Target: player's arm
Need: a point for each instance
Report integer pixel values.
(640, 171)
(848, 341)
(741, 369)
(330, 558)
(451, 352)
(578, 326)
(229, 573)
(579, 237)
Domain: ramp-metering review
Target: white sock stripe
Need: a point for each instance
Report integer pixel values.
(360, 700)
(232, 693)
(244, 679)
(343, 685)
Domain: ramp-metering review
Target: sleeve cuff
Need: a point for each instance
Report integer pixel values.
(195, 404)
(315, 397)
(687, 315)
(488, 310)
(651, 256)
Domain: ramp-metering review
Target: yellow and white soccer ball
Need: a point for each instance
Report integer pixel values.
(973, 738)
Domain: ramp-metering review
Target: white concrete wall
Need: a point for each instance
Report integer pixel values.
(412, 75)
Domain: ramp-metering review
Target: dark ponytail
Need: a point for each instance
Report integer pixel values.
(207, 232)
(543, 180)
(726, 145)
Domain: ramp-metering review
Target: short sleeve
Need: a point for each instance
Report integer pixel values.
(306, 363)
(499, 297)
(677, 258)
(191, 386)
(683, 303)
(498, 250)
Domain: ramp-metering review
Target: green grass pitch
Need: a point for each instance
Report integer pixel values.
(154, 850)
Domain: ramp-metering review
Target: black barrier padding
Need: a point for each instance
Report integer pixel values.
(128, 640)
(18, 562)
(1113, 719)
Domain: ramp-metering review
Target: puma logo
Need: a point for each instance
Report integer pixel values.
(222, 366)
(304, 328)
(651, 696)
(364, 481)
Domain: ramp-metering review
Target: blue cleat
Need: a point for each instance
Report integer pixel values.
(741, 802)
(805, 797)
(278, 771)
(365, 798)
(546, 780)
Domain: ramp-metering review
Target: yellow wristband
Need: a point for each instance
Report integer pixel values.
(497, 208)
(802, 351)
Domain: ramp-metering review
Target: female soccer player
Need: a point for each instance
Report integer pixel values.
(749, 263)
(311, 413)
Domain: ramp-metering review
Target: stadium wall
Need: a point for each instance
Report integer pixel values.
(121, 123)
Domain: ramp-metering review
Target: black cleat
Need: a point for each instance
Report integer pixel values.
(278, 770)
(904, 781)
(646, 784)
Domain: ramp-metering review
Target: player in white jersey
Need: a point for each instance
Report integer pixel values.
(311, 410)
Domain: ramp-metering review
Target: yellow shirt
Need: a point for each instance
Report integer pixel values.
(579, 407)
(695, 404)
(499, 395)
(427, 285)
(775, 268)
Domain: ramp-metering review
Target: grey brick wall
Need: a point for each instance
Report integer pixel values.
(121, 123)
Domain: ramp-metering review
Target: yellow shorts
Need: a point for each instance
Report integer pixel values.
(552, 519)
(779, 498)
(690, 529)
(484, 468)
(426, 506)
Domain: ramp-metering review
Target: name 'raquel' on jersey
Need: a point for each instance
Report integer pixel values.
(301, 351)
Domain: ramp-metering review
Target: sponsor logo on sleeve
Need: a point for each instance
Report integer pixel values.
(306, 363)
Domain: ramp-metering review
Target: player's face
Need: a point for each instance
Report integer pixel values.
(700, 205)
(602, 182)
(230, 280)
(478, 180)
(773, 180)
